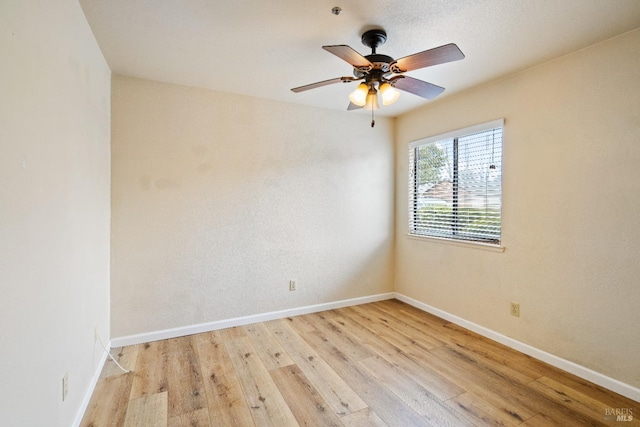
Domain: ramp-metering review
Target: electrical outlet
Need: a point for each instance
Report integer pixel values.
(65, 386)
(292, 285)
(515, 309)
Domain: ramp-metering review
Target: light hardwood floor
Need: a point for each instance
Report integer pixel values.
(379, 364)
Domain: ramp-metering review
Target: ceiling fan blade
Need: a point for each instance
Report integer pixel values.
(416, 87)
(323, 83)
(438, 55)
(353, 106)
(348, 54)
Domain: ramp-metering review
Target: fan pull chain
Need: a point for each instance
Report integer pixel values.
(373, 122)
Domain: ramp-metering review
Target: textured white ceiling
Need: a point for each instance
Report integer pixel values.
(264, 48)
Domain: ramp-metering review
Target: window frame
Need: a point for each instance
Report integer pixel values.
(411, 177)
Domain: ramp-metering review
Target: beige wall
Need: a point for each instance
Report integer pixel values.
(54, 210)
(218, 200)
(571, 196)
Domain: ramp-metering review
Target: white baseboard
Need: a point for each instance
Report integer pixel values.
(92, 385)
(566, 365)
(244, 320)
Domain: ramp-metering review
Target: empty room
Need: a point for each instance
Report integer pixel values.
(349, 213)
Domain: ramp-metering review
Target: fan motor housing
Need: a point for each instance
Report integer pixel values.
(379, 63)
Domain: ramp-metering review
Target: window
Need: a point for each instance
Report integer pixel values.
(455, 184)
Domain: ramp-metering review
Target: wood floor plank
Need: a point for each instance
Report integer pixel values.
(150, 373)
(365, 417)
(127, 357)
(401, 341)
(232, 333)
(268, 407)
(108, 404)
(479, 412)
(267, 346)
(391, 409)
(480, 357)
(575, 400)
(431, 321)
(147, 411)
(438, 332)
(184, 377)
(540, 420)
(520, 364)
(307, 405)
(213, 354)
(560, 419)
(379, 364)
(501, 355)
(199, 418)
(463, 377)
(613, 400)
(378, 311)
(301, 323)
(413, 394)
(336, 392)
(433, 381)
(227, 406)
(435, 326)
(496, 389)
(349, 343)
(522, 401)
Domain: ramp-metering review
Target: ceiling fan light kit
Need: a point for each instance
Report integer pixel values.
(382, 73)
(359, 96)
(372, 101)
(388, 94)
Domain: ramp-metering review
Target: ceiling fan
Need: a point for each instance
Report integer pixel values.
(382, 73)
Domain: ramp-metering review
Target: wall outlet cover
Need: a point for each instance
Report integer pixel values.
(515, 309)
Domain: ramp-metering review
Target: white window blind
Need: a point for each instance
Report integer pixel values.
(455, 184)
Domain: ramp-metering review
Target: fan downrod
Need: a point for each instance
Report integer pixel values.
(374, 38)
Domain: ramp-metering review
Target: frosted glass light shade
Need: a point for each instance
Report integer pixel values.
(359, 96)
(372, 101)
(388, 93)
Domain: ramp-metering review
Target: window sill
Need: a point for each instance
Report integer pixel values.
(454, 242)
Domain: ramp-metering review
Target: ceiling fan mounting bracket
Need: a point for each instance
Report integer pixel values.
(374, 38)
